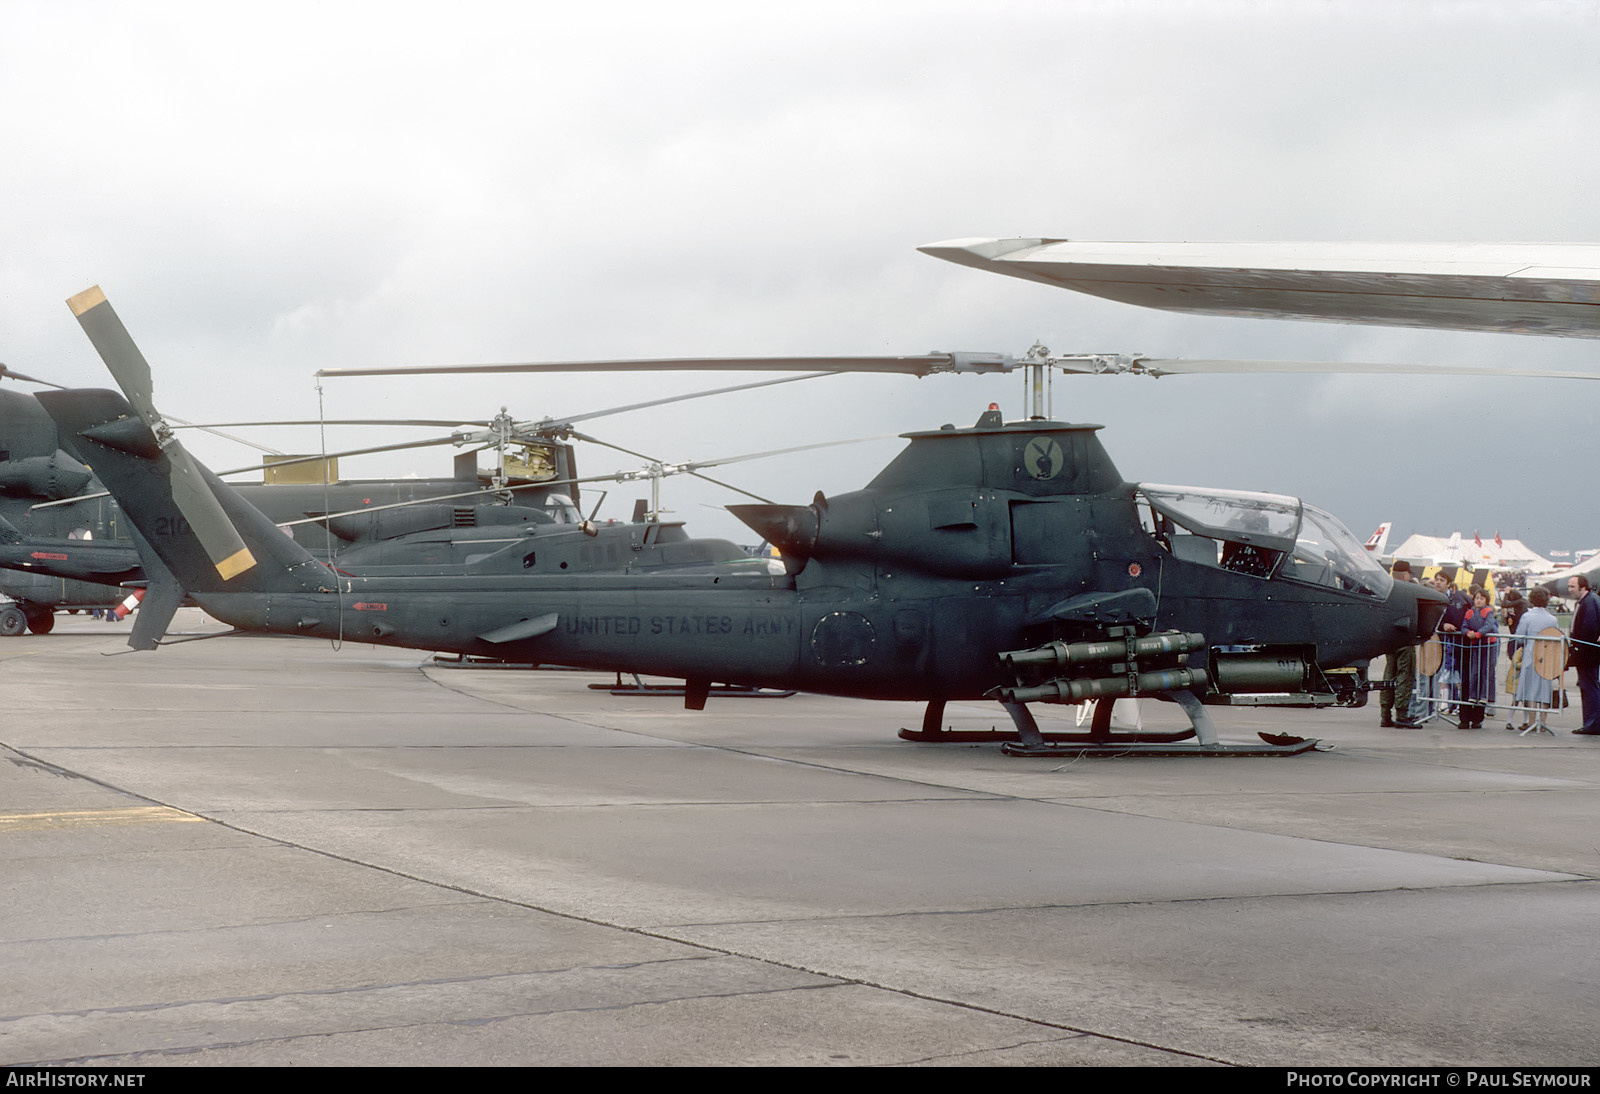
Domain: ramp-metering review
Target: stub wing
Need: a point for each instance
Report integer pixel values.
(1523, 288)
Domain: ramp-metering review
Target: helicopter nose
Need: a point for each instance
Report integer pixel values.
(1421, 609)
(1430, 609)
(791, 528)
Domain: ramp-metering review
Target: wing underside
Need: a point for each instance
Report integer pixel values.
(1523, 288)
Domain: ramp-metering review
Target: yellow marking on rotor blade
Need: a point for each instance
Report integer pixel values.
(85, 300)
(236, 564)
(92, 818)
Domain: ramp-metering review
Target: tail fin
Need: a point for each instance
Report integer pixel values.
(163, 596)
(1378, 542)
(101, 429)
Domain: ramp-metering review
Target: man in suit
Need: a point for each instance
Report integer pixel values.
(1585, 653)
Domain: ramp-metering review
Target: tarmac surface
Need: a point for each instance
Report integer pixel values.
(266, 851)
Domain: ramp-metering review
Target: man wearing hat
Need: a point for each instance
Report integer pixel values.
(1400, 669)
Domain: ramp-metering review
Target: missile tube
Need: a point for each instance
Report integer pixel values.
(1061, 654)
(1076, 691)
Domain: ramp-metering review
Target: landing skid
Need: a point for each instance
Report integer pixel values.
(459, 661)
(1050, 748)
(1029, 740)
(679, 691)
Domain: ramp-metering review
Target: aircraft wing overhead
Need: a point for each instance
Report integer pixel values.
(1523, 288)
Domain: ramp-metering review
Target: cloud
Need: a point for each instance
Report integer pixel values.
(266, 192)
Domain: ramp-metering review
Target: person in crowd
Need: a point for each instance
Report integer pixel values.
(1479, 654)
(1400, 668)
(1447, 681)
(1584, 652)
(1513, 606)
(1533, 693)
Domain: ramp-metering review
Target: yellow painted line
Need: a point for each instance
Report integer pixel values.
(93, 818)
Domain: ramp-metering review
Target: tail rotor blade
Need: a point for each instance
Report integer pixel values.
(190, 493)
(116, 348)
(211, 525)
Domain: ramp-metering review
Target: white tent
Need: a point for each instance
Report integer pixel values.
(1456, 550)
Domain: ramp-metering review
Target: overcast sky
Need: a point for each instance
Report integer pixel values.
(263, 191)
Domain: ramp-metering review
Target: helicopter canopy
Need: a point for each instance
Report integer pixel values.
(1265, 535)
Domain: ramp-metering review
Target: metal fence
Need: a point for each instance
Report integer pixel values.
(1473, 678)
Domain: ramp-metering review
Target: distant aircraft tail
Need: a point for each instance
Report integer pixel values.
(102, 430)
(1378, 542)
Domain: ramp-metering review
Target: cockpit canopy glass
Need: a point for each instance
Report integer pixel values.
(561, 510)
(1262, 520)
(1325, 553)
(1264, 535)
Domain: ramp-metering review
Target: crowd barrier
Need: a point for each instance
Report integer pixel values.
(1518, 677)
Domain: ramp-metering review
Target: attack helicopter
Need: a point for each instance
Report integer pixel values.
(33, 469)
(64, 544)
(77, 550)
(1006, 560)
(69, 547)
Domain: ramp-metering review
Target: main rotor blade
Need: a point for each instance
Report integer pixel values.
(1178, 366)
(431, 423)
(692, 468)
(554, 422)
(532, 425)
(179, 423)
(659, 469)
(693, 465)
(652, 460)
(920, 365)
(1520, 288)
(15, 375)
(434, 500)
(616, 476)
(280, 463)
(936, 363)
(401, 447)
(614, 447)
(190, 493)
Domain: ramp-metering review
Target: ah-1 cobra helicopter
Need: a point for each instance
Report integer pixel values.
(33, 469)
(1007, 560)
(62, 545)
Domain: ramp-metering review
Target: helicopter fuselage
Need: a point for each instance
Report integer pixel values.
(896, 639)
(970, 544)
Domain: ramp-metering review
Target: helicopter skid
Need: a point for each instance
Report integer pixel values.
(1139, 748)
(463, 661)
(1000, 736)
(1143, 743)
(1305, 700)
(1028, 740)
(681, 691)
